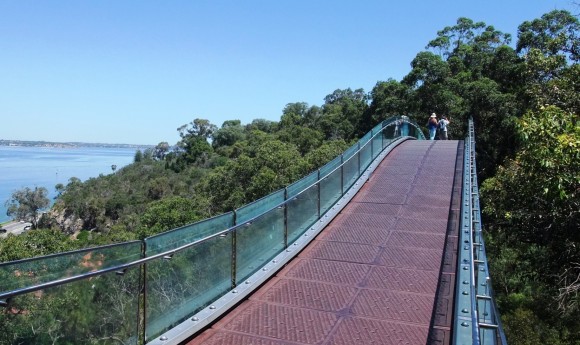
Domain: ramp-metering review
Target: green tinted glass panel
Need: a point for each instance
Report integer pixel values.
(388, 121)
(365, 139)
(258, 242)
(254, 209)
(350, 152)
(350, 172)
(187, 234)
(412, 132)
(98, 310)
(330, 190)
(188, 282)
(377, 143)
(30, 272)
(377, 129)
(416, 132)
(330, 166)
(389, 131)
(302, 184)
(302, 212)
(365, 156)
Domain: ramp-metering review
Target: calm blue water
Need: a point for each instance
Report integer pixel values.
(45, 167)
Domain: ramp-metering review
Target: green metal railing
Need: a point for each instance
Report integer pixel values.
(477, 320)
(132, 293)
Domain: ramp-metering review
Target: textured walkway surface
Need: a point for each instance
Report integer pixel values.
(378, 274)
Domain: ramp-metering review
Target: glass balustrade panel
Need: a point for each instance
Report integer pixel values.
(330, 166)
(302, 212)
(330, 190)
(302, 184)
(376, 129)
(365, 157)
(258, 241)
(254, 209)
(389, 132)
(350, 172)
(190, 280)
(35, 271)
(188, 234)
(365, 139)
(351, 151)
(98, 310)
(377, 143)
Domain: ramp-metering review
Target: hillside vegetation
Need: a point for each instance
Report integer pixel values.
(525, 105)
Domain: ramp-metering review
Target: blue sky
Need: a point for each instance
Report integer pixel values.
(127, 71)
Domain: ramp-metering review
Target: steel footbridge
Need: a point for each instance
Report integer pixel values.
(382, 245)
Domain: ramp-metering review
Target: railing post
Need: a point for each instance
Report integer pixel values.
(382, 135)
(234, 259)
(285, 218)
(372, 147)
(143, 294)
(341, 174)
(358, 157)
(319, 188)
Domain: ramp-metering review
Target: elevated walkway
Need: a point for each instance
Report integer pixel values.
(390, 251)
(382, 272)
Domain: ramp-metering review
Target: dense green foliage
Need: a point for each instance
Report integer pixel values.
(525, 105)
(533, 204)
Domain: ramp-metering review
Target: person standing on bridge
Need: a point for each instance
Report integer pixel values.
(443, 123)
(404, 126)
(432, 124)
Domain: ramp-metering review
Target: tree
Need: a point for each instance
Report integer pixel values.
(305, 139)
(391, 98)
(194, 146)
(138, 156)
(324, 154)
(551, 49)
(25, 204)
(34, 243)
(343, 113)
(197, 128)
(161, 150)
(167, 214)
(532, 210)
(263, 125)
(230, 133)
(555, 34)
(453, 40)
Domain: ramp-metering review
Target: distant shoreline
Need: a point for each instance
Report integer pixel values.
(39, 143)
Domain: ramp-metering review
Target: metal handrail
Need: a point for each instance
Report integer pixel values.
(472, 258)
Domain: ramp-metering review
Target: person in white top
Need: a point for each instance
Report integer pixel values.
(442, 126)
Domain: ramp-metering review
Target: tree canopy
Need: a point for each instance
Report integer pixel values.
(25, 204)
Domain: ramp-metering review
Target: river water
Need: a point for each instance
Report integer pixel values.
(31, 167)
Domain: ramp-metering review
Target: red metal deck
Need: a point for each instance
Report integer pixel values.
(378, 274)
